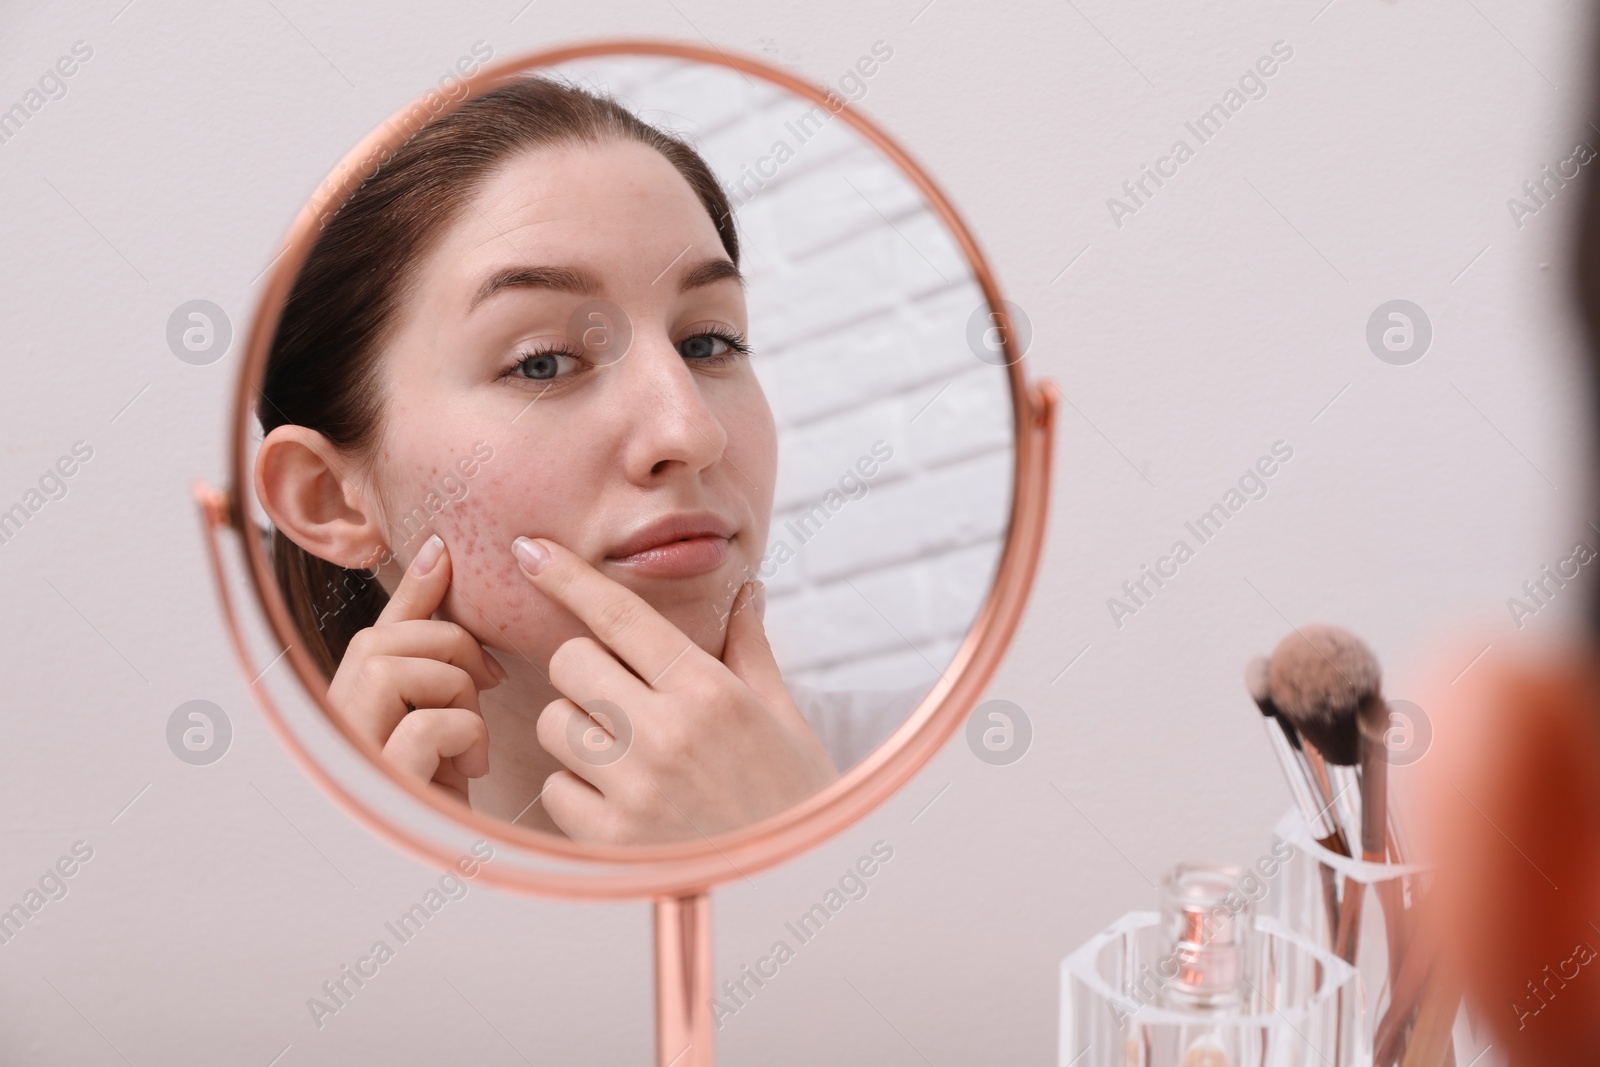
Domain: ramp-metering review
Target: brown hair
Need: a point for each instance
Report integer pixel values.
(321, 371)
(1584, 279)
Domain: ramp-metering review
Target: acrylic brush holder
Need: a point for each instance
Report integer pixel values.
(1386, 912)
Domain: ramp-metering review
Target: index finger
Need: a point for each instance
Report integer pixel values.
(422, 587)
(623, 620)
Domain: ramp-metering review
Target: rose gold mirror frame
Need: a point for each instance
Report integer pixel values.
(679, 876)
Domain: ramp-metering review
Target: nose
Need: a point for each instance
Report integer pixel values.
(671, 425)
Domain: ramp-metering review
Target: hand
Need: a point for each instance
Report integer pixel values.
(711, 745)
(409, 660)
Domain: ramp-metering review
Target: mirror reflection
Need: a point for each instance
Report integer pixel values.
(635, 453)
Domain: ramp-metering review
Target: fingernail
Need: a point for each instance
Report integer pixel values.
(759, 597)
(427, 556)
(496, 668)
(531, 554)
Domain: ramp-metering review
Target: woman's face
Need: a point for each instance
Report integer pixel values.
(508, 341)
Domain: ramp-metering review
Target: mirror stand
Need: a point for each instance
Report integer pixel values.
(685, 1031)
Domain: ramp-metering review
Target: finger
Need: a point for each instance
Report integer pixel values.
(387, 684)
(748, 653)
(585, 671)
(587, 745)
(429, 736)
(622, 620)
(577, 808)
(432, 639)
(422, 587)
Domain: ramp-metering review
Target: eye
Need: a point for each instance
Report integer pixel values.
(544, 365)
(713, 346)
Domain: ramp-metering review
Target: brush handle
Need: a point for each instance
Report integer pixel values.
(1318, 818)
(1344, 938)
(1344, 918)
(1373, 720)
(1330, 889)
(1374, 784)
(1344, 785)
(1322, 781)
(1403, 996)
(1296, 773)
(1430, 1044)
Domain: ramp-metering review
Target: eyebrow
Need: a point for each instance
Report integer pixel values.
(527, 276)
(711, 270)
(582, 283)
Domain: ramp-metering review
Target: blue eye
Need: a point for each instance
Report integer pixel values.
(552, 363)
(713, 346)
(543, 366)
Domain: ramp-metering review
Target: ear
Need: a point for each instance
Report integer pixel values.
(313, 493)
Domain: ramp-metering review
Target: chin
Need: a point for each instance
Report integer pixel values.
(698, 606)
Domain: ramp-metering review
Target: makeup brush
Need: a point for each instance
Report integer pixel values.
(1325, 681)
(1319, 675)
(1292, 758)
(1308, 795)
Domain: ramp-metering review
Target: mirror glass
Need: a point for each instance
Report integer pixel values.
(684, 329)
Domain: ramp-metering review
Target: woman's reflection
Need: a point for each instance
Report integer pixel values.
(535, 305)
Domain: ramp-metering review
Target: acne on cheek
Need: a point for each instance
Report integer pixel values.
(489, 595)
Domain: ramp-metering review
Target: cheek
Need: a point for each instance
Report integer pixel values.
(489, 594)
(753, 451)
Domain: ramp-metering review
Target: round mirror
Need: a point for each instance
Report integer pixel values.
(633, 460)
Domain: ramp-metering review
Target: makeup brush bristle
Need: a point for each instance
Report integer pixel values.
(1320, 678)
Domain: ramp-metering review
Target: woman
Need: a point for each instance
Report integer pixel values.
(1513, 801)
(534, 308)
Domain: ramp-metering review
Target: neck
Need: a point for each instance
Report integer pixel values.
(518, 764)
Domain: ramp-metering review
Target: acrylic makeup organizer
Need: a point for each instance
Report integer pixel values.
(1297, 898)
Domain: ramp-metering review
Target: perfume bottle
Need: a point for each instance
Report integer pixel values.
(1206, 982)
(1208, 925)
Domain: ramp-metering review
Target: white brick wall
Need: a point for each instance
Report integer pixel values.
(859, 301)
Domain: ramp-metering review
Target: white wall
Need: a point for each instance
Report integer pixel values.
(1226, 314)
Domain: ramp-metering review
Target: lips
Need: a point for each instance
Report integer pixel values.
(679, 545)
